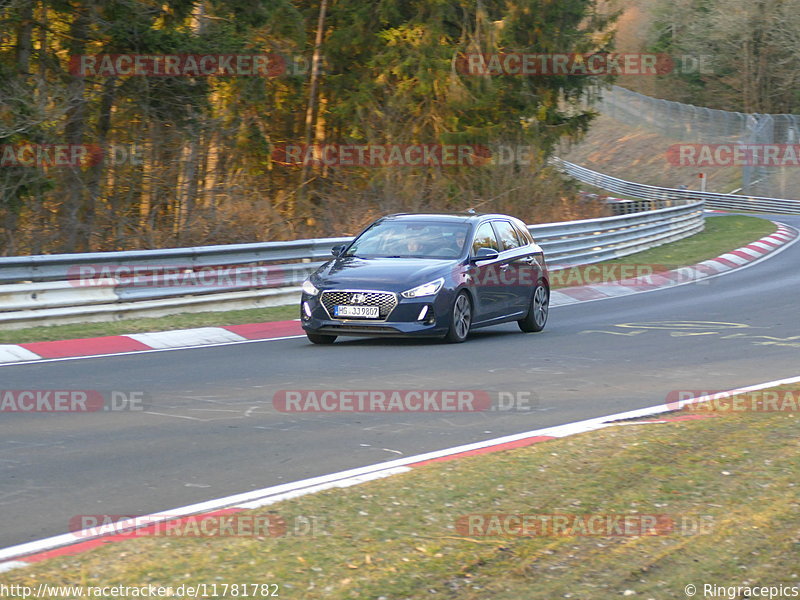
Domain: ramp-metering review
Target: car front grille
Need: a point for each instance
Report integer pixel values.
(385, 301)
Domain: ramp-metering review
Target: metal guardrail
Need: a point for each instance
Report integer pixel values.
(55, 267)
(594, 240)
(74, 288)
(650, 192)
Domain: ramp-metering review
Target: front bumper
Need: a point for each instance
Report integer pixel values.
(411, 317)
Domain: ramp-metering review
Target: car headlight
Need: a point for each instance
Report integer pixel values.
(309, 288)
(426, 289)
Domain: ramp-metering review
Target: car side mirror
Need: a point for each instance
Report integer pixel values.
(338, 249)
(485, 254)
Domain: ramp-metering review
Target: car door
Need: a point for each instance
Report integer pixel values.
(534, 266)
(484, 276)
(513, 266)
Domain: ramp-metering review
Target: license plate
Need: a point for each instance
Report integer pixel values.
(365, 312)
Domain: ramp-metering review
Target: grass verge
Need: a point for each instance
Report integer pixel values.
(722, 234)
(736, 474)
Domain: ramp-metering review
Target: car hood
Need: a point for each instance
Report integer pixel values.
(395, 274)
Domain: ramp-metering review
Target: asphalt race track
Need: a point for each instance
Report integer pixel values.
(210, 429)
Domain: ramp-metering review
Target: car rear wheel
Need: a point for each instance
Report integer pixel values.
(460, 319)
(537, 314)
(319, 338)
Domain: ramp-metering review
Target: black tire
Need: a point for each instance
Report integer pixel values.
(536, 318)
(320, 338)
(460, 319)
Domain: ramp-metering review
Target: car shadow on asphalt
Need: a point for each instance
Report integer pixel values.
(475, 336)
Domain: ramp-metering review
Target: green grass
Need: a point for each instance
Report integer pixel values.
(395, 538)
(722, 234)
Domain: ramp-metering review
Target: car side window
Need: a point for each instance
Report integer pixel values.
(507, 235)
(485, 238)
(524, 235)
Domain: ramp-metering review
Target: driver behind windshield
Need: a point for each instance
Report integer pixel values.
(414, 245)
(458, 240)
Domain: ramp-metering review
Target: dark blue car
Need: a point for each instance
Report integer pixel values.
(435, 275)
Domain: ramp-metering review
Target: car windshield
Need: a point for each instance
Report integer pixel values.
(411, 239)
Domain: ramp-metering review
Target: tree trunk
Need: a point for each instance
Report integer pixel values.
(301, 209)
(104, 161)
(74, 130)
(24, 35)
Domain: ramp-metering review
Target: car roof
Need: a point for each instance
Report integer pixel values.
(455, 217)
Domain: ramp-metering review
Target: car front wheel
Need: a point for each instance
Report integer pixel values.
(460, 319)
(319, 338)
(537, 313)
